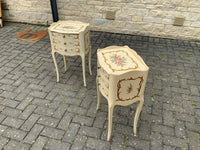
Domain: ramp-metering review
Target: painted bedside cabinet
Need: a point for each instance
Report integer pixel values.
(121, 79)
(70, 38)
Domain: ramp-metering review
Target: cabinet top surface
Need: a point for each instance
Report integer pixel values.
(118, 60)
(68, 27)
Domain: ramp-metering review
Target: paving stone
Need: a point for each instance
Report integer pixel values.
(184, 117)
(39, 144)
(180, 129)
(2, 117)
(14, 134)
(97, 144)
(156, 141)
(52, 133)
(152, 118)
(29, 92)
(56, 144)
(30, 122)
(165, 130)
(2, 128)
(194, 90)
(79, 142)
(21, 87)
(35, 86)
(87, 101)
(71, 133)
(38, 94)
(166, 147)
(137, 143)
(10, 103)
(13, 122)
(168, 118)
(65, 121)
(90, 131)
(92, 110)
(194, 140)
(9, 95)
(3, 141)
(82, 120)
(33, 134)
(60, 111)
(77, 110)
(23, 95)
(177, 142)
(44, 111)
(117, 141)
(11, 112)
(41, 102)
(49, 121)
(16, 145)
(100, 119)
(27, 112)
(52, 94)
(6, 81)
(143, 129)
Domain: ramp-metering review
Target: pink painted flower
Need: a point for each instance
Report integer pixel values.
(118, 59)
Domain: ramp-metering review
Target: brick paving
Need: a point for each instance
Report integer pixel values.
(37, 113)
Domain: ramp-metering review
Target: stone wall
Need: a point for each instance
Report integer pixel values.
(141, 17)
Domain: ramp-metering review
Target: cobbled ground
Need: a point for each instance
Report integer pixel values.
(37, 113)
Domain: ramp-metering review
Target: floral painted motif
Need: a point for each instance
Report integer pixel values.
(118, 60)
(68, 27)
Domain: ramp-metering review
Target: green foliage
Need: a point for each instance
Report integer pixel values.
(37, 62)
(124, 144)
(152, 99)
(181, 56)
(29, 103)
(160, 57)
(158, 133)
(193, 104)
(187, 53)
(174, 122)
(176, 73)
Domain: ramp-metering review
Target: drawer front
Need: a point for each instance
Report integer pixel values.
(68, 43)
(103, 79)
